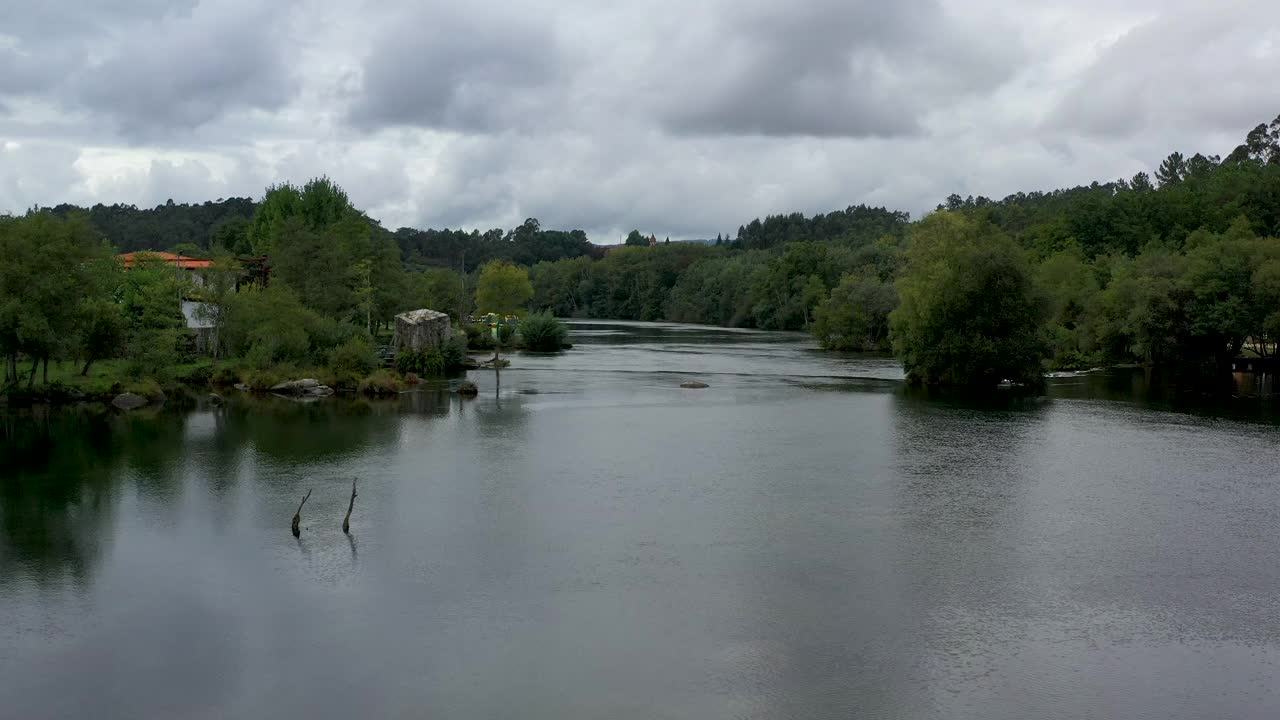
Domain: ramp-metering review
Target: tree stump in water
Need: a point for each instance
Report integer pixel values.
(297, 517)
(346, 522)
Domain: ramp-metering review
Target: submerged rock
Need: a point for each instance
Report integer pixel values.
(130, 401)
(694, 385)
(468, 389)
(215, 399)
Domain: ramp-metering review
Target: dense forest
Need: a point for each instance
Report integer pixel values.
(1178, 268)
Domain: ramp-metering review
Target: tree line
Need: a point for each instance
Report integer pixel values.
(1179, 269)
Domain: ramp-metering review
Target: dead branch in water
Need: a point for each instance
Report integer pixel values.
(297, 517)
(346, 521)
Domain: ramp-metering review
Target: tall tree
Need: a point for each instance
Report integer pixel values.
(970, 315)
(503, 288)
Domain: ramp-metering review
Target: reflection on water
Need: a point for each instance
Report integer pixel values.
(804, 538)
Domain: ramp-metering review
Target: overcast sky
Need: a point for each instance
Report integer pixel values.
(677, 117)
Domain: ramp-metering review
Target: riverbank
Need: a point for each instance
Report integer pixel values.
(110, 379)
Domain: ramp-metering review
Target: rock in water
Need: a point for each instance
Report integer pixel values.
(423, 329)
(694, 385)
(129, 401)
(468, 389)
(215, 399)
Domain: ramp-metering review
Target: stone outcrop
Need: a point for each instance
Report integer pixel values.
(130, 401)
(694, 385)
(306, 386)
(419, 330)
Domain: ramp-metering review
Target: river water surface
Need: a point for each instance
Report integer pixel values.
(803, 539)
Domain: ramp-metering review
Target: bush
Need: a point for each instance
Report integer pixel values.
(478, 336)
(543, 332)
(258, 378)
(455, 353)
(425, 363)
(201, 373)
(351, 361)
(382, 382)
(505, 333)
(226, 374)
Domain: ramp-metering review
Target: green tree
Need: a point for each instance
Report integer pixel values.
(503, 288)
(635, 239)
(47, 278)
(438, 289)
(855, 316)
(151, 299)
(969, 313)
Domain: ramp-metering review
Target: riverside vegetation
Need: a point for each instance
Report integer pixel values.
(1180, 270)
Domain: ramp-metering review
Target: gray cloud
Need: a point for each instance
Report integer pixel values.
(1206, 69)
(830, 68)
(191, 70)
(439, 67)
(151, 68)
(679, 118)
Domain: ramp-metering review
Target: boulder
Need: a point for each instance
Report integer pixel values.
(215, 399)
(242, 387)
(694, 385)
(468, 389)
(318, 391)
(419, 330)
(130, 401)
(296, 387)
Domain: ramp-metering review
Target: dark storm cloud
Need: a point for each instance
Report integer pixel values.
(189, 72)
(850, 68)
(442, 68)
(148, 68)
(847, 68)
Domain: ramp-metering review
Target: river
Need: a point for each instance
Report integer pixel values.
(805, 538)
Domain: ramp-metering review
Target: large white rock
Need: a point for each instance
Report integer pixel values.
(421, 330)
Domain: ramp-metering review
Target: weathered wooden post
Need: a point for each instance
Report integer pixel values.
(297, 517)
(346, 522)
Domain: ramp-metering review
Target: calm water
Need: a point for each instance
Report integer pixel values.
(804, 539)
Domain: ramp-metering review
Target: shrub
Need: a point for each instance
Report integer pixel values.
(455, 353)
(543, 332)
(201, 373)
(506, 331)
(225, 374)
(258, 378)
(425, 363)
(382, 382)
(352, 360)
(478, 336)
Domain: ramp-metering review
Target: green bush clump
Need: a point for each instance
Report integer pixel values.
(455, 353)
(543, 332)
(505, 333)
(381, 382)
(424, 363)
(351, 361)
(200, 373)
(226, 374)
(478, 336)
